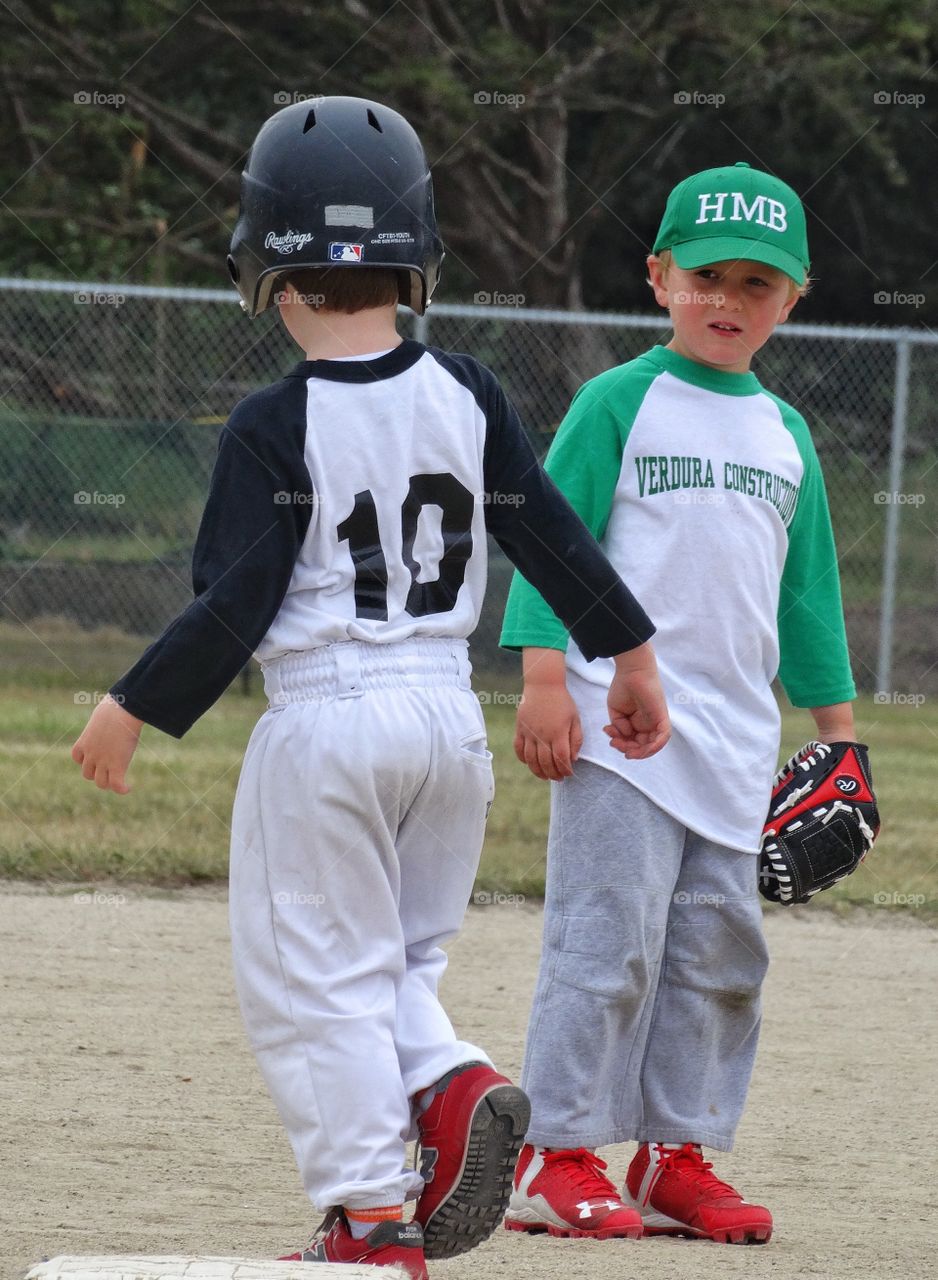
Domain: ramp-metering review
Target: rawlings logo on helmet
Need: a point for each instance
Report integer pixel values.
(289, 241)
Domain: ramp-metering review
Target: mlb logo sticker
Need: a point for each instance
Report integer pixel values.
(340, 251)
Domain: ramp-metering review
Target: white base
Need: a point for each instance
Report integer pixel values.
(127, 1267)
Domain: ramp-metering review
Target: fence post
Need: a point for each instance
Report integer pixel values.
(422, 328)
(891, 544)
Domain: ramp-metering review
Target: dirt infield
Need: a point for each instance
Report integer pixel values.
(133, 1119)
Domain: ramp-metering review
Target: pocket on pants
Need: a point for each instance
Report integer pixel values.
(718, 948)
(473, 749)
(603, 956)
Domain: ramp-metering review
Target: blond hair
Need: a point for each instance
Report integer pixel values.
(794, 290)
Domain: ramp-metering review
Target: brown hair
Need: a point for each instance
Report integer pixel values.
(347, 289)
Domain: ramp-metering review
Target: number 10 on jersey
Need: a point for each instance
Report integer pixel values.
(360, 529)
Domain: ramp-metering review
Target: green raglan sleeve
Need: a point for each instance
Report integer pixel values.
(584, 462)
(814, 661)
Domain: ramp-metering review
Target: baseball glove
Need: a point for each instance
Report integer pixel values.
(821, 824)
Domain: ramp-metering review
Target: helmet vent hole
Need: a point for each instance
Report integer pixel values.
(310, 121)
(373, 121)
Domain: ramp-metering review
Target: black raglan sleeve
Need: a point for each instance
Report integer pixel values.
(546, 540)
(255, 519)
(542, 535)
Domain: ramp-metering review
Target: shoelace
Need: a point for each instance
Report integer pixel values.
(691, 1157)
(585, 1171)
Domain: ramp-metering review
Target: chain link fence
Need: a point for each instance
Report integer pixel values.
(112, 398)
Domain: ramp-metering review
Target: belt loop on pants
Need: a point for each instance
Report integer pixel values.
(348, 670)
(273, 686)
(463, 667)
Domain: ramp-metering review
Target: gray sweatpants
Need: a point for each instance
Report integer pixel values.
(647, 1009)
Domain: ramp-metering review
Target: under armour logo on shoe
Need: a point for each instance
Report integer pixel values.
(586, 1207)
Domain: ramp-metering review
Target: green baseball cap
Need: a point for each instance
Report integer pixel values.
(735, 212)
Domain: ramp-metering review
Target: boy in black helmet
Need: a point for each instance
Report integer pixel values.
(343, 545)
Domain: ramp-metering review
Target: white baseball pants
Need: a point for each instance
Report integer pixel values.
(356, 834)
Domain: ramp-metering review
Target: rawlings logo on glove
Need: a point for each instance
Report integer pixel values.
(821, 824)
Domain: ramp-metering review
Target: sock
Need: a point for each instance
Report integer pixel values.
(363, 1221)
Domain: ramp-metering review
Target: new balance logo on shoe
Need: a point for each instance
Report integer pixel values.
(471, 1127)
(389, 1244)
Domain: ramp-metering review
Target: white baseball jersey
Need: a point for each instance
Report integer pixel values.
(344, 543)
(351, 501)
(707, 495)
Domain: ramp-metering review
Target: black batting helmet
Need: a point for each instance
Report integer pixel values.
(335, 182)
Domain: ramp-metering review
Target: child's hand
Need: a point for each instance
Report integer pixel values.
(548, 736)
(638, 712)
(106, 747)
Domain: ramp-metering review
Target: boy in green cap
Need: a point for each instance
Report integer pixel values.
(706, 494)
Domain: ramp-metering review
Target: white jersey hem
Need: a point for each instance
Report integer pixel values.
(671, 812)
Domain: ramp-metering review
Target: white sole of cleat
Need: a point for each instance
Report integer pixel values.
(659, 1224)
(571, 1233)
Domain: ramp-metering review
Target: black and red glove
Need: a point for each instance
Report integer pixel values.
(821, 824)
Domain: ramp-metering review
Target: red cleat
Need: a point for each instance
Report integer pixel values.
(673, 1189)
(565, 1193)
(469, 1136)
(390, 1244)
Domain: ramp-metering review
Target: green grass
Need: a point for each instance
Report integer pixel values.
(173, 827)
(102, 547)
